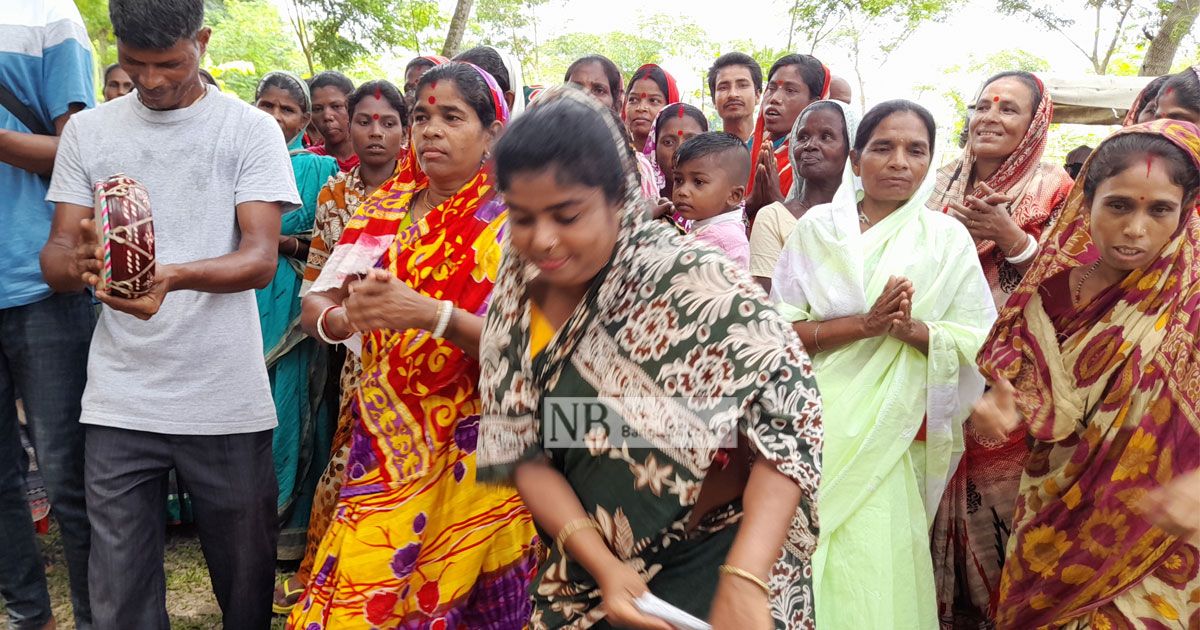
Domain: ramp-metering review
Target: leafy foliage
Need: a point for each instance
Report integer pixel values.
(334, 33)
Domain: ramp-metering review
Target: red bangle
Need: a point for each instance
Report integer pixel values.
(321, 327)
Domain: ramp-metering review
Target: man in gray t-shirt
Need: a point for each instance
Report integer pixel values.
(176, 378)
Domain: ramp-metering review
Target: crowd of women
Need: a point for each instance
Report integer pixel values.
(967, 396)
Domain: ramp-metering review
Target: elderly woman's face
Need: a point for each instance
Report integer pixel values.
(1002, 116)
(448, 136)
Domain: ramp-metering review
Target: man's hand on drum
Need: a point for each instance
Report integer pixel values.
(144, 306)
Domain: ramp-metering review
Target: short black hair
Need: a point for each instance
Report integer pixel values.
(331, 78)
(735, 157)
(735, 59)
(492, 63)
(1026, 78)
(611, 72)
(418, 62)
(1122, 151)
(587, 156)
(654, 73)
(680, 110)
(811, 70)
(155, 24)
(470, 84)
(288, 83)
(384, 89)
(881, 111)
(1186, 87)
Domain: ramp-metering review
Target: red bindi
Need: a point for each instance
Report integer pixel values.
(995, 99)
(432, 100)
(679, 133)
(643, 95)
(374, 116)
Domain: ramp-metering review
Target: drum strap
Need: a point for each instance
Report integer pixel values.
(22, 112)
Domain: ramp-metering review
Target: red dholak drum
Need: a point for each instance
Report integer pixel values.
(126, 232)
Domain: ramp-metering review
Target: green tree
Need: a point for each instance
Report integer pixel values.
(249, 39)
(99, 28)
(1177, 19)
(512, 25)
(334, 33)
(655, 38)
(1113, 24)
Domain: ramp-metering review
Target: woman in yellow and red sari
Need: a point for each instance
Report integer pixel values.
(414, 541)
(1100, 342)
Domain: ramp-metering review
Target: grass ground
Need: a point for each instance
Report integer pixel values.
(190, 601)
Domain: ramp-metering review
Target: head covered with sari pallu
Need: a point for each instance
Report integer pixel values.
(1037, 191)
(414, 537)
(648, 149)
(782, 161)
(1114, 411)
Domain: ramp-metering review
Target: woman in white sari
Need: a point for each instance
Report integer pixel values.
(891, 302)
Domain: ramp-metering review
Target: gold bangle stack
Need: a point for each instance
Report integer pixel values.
(572, 528)
(728, 569)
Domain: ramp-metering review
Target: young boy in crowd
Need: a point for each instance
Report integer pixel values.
(710, 174)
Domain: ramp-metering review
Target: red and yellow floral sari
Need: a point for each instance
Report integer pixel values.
(1110, 393)
(415, 542)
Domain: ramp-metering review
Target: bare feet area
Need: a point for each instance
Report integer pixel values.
(190, 601)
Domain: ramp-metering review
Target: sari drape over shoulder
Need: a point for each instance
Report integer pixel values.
(975, 517)
(881, 484)
(1109, 393)
(683, 348)
(415, 542)
(1038, 191)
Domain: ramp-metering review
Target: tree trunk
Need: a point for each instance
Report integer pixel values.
(458, 26)
(1161, 53)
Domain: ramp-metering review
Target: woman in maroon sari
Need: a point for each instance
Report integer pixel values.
(1100, 342)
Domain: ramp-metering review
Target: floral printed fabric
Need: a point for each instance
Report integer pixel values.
(1110, 393)
(681, 344)
(415, 542)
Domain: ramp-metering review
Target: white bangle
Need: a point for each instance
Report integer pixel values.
(1026, 254)
(321, 332)
(445, 311)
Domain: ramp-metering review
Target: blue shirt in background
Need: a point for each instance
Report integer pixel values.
(46, 60)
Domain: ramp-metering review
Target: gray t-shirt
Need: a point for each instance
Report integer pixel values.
(197, 367)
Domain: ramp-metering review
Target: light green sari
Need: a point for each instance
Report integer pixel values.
(881, 484)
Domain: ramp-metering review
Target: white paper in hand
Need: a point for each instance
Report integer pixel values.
(649, 604)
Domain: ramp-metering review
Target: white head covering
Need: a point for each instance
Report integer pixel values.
(850, 115)
(516, 81)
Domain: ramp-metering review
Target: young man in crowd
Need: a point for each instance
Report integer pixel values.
(46, 77)
(218, 178)
(735, 83)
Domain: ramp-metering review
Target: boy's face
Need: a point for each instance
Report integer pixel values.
(703, 188)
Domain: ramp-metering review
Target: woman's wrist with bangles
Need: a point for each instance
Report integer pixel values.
(746, 577)
(324, 329)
